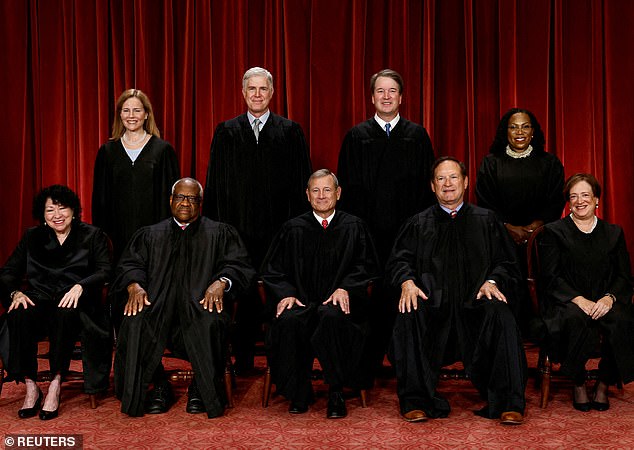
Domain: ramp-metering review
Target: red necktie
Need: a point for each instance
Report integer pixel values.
(324, 223)
(453, 214)
(183, 227)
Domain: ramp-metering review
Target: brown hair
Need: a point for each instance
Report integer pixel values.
(387, 73)
(579, 177)
(149, 125)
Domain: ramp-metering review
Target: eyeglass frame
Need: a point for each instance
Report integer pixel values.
(193, 199)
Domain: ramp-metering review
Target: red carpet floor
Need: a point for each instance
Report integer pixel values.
(249, 426)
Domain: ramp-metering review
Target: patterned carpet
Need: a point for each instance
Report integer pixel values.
(379, 426)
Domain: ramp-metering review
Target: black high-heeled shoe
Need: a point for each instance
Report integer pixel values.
(600, 406)
(25, 413)
(583, 407)
(48, 415)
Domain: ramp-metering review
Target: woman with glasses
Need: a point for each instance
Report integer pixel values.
(134, 172)
(587, 294)
(523, 184)
(52, 286)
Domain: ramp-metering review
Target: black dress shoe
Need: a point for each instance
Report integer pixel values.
(298, 408)
(25, 413)
(159, 399)
(336, 406)
(195, 403)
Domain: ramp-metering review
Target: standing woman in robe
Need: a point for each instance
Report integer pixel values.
(522, 183)
(585, 280)
(65, 263)
(134, 172)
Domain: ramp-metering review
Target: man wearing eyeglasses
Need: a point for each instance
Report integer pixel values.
(173, 282)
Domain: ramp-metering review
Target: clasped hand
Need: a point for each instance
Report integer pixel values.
(597, 309)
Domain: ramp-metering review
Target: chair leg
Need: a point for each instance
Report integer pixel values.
(545, 388)
(364, 403)
(93, 401)
(228, 386)
(266, 391)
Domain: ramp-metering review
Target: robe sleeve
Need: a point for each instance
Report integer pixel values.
(166, 176)
(132, 266)
(277, 266)
(100, 256)
(214, 173)
(365, 266)
(100, 189)
(234, 262)
(12, 274)
(553, 204)
(401, 265)
(621, 285)
(552, 279)
(487, 187)
(504, 267)
(300, 172)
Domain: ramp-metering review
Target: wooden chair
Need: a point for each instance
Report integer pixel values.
(266, 390)
(545, 369)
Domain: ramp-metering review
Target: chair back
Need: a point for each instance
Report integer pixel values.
(533, 265)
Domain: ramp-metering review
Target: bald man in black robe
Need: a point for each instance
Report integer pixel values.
(171, 281)
(456, 268)
(317, 273)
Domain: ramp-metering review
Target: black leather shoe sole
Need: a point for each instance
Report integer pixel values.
(583, 407)
(598, 406)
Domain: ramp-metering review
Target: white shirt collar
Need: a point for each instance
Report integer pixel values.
(392, 122)
(185, 225)
(320, 219)
(448, 211)
(263, 118)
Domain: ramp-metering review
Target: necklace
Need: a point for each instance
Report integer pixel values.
(133, 143)
(515, 155)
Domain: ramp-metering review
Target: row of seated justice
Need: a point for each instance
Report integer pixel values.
(454, 264)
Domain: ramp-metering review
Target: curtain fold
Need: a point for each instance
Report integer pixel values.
(464, 62)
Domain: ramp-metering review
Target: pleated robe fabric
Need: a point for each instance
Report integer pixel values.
(51, 270)
(385, 180)
(175, 267)
(309, 262)
(450, 259)
(128, 195)
(574, 264)
(256, 186)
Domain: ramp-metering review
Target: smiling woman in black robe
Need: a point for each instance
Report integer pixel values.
(134, 172)
(586, 285)
(66, 263)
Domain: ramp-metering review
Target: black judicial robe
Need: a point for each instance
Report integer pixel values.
(521, 190)
(127, 196)
(51, 270)
(385, 180)
(175, 267)
(257, 186)
(309, 262)
(574, 264)
(450, 259)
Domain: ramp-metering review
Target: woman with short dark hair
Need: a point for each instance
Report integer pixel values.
(587, 294)
(51, 286)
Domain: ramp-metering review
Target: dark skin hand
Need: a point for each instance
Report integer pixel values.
(213, 296)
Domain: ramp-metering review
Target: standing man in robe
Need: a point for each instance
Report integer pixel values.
(174, 281)
(456, 268)
(317, 273)
(256, 177)
(383, 169)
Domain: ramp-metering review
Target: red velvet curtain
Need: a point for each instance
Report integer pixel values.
(64, 63)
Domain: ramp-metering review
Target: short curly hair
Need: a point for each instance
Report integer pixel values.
(60, 195)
